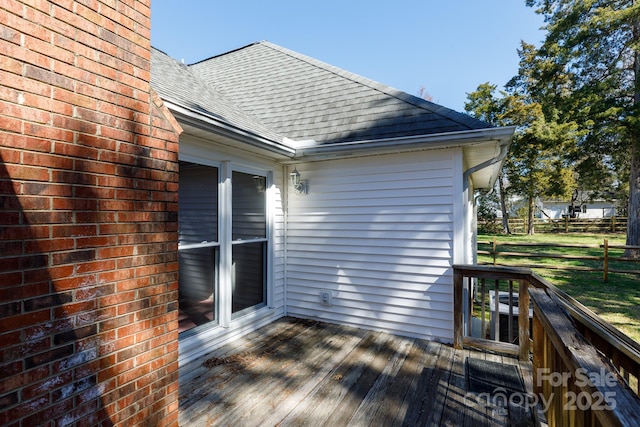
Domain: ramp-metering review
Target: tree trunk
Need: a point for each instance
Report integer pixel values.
(633, 212)
(503, 206)
(530, 229)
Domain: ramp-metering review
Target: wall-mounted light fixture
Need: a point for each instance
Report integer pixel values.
(260, 182)
(299, 185)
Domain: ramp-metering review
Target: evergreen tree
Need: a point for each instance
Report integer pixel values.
(483, 105)
(589, 73)
(537, 164)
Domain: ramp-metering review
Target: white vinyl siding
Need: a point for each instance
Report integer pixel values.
(378, 233)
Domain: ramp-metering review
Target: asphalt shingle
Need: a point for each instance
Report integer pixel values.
(303, 98)
(177, 83)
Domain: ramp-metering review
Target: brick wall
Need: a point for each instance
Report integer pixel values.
(88, 219)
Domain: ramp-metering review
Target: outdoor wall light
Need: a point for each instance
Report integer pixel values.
(299, 185)
(260, 182)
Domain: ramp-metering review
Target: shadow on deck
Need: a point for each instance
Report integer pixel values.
(299, 372)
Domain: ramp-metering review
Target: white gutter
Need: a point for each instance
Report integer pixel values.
(403, 144)
(504, 149)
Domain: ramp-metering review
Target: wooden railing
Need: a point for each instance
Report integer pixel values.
(585, 370)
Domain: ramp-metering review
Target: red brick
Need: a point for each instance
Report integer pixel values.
(48, 414)
(118, 298)
(74, 124)
(46, 329)
(85, 230)
(76, 205)
(75, 282)
(27, 203)
(117, 275)
(45, 131)
(75, 98)
(46, 189)
(38, 217)
(39, 246)
(24, 112)
(113, 371)
(94, 292)
(27, 172)
(73, 257)
(116, 252)
(89, 176)
(23, 233)
(96, 217)
(49, 77)
(48, 385)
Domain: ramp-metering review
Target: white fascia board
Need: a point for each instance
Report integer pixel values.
(464, 139)
(211, 124)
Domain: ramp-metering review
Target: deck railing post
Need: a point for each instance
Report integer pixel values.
(605, 262)
(457, 310)
(523, 319)
(538, 354)
(495, 250)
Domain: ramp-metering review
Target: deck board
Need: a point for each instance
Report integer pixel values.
(296, 373)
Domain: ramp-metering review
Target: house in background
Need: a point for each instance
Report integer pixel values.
(309, 191)
(581, 206)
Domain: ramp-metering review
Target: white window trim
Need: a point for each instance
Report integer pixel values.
(270, 220)
(223, 303)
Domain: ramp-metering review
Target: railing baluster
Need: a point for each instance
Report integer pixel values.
(496, 311)
(482, 302)
(510, 323)
(523, 319)
(470, 301)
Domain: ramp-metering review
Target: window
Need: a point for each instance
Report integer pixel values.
(249, 235)
(198, 246)
(223, 243)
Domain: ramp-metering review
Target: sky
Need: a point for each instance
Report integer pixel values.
(446, 47)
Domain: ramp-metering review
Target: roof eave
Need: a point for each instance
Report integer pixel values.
(501, 135)
(216, 126)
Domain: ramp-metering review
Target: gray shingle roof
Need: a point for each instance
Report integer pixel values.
(303, 98)
(176, 82)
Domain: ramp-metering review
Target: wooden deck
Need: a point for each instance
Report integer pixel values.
(305, 373)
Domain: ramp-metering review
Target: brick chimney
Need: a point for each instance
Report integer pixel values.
(88, 222)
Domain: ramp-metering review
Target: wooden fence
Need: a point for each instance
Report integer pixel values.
(566, 225)
(497, 251)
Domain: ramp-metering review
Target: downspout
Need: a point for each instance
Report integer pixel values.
(504, 149)
(285, 187)
(469, 288)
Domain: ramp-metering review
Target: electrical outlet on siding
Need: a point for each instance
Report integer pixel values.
(326, 298)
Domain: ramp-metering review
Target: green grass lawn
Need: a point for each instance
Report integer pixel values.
(617, 301)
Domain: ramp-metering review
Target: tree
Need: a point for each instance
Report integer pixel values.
(593, 48)
(537, 165)
(483, 105)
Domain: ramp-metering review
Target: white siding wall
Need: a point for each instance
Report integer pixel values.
(378, 234)
(209, 338)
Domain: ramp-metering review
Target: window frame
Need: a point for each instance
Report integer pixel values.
(209, 244)
(268, 239)
(223, 286)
